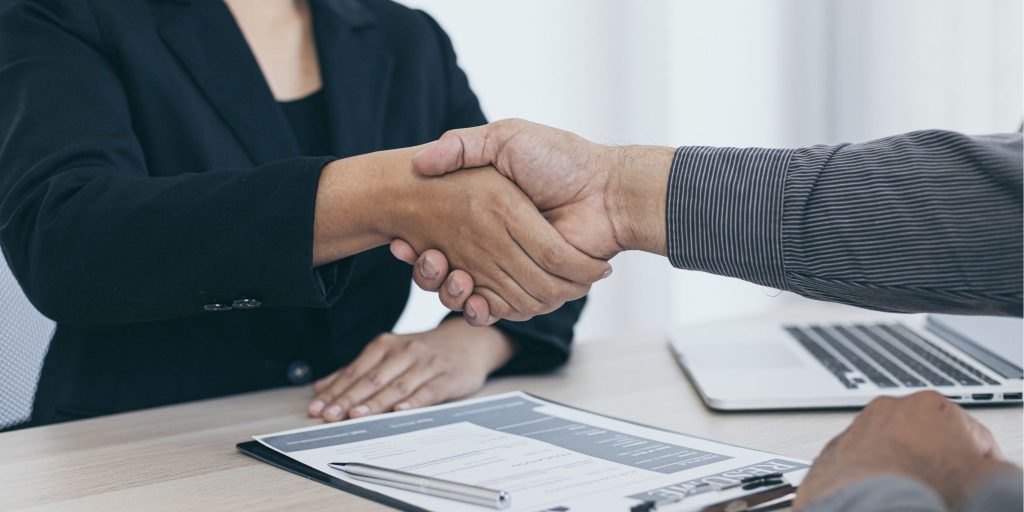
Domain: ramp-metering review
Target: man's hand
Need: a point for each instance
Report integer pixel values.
(923, 436)
(394, 373)
(603, 200)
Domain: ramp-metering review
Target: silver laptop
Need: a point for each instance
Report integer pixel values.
(972, 360)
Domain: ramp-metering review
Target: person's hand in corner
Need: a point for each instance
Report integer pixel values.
(399, 372)
(924, 436)
(602, 199)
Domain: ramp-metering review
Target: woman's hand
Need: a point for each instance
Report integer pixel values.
(398, 372)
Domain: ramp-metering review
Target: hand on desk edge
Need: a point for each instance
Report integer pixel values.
(399, 372)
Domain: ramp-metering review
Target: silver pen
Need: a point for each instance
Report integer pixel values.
(426, 485)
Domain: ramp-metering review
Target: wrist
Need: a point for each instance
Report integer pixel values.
(636, 194)
(494, 347)
(355, 205)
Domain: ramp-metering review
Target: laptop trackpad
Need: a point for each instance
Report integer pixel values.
(743, 355)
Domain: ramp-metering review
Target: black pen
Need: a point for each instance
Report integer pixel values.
(424, 484)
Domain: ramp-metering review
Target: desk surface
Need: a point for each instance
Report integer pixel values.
(183, 457)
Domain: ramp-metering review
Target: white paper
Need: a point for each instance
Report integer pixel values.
(548, 456)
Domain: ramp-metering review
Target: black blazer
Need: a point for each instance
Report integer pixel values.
(154, 203)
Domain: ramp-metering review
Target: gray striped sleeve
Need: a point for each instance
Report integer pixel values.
(887, 493)
(926, 221)
(881, 494)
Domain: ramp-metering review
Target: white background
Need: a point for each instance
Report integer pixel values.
(779, 73)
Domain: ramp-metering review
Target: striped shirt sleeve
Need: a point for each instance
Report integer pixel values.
(925, 221)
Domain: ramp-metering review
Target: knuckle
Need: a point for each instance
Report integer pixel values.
(425, 396)
(402, 387)
(550, 256)
(343, 402)
(417, 346)
(450, 302)
(879, 402)
(375, 378)
(928, 397)
(437, 362)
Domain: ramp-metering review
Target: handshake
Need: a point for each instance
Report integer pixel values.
(526, 246)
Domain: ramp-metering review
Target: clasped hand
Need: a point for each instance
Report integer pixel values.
(585, 191)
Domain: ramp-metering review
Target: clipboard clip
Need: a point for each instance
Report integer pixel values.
(774, 485)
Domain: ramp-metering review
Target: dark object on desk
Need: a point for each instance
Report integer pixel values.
(260, 452)
(776, 483)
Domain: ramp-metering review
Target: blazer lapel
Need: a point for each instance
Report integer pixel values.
(356, 68)
(207, 40)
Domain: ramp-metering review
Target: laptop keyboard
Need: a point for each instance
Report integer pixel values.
(888, 355)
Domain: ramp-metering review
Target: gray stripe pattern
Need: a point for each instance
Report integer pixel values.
(925, 221)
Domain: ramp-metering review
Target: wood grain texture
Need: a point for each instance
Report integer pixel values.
(183, 457)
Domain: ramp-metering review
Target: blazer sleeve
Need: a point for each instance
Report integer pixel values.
(92, 237)
(543, 342)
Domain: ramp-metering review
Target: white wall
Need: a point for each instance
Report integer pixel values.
(729, 72)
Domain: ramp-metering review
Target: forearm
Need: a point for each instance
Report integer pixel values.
(637, 185)
(93, 245)
(493, 347)
(929, 221)
(352, 204)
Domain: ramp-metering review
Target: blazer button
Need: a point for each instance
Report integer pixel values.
(246, 304)
(217, 307)
(299, 372)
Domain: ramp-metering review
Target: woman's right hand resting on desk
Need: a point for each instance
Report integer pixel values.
(480, 220)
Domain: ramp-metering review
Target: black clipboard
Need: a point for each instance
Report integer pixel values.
(261, 452)
(258, 451)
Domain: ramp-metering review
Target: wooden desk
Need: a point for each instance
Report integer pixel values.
(183, 457)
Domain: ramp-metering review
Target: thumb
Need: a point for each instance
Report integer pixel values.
(464, 148)
(439, 157)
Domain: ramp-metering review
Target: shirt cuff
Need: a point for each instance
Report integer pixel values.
(724, 212)
(881, 494)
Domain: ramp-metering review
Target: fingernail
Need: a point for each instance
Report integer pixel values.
(454, 288)
(403, 406)
(607, 273)
(333, 411)
(427, 269)
(470, 312)
(316, 407)
(360, 410)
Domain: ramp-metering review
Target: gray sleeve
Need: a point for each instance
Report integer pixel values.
(1003, 491)
(925, 221)
(881, 494)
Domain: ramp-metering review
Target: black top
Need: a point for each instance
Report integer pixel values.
(156, 204)
(309, 123)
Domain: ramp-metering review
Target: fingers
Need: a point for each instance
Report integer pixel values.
(552, 253)
(437, 390)
(431, 270)
(398, 390)
(326, 403)
(456, 289)
(401, 250)
(478, 311)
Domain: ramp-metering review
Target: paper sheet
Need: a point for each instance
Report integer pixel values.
(548, 456)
